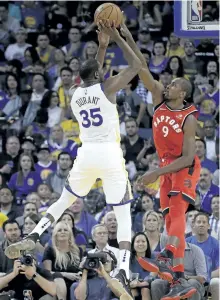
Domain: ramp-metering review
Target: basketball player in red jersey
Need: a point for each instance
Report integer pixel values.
(174, 130)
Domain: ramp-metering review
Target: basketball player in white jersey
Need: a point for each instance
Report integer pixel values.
(94, 106)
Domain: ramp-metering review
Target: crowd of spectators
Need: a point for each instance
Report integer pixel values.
(42, 44)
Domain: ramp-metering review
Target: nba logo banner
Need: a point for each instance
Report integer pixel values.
(196, 10)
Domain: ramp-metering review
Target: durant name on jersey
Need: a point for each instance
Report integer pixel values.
(85, 100)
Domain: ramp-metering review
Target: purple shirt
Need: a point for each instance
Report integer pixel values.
(209, 164)
(206, 199)
(30, 184)
(33, 17)
(44, 171)
(71, 148)
(210, 103)
(159, 68)
(86, 223)
(3, 100)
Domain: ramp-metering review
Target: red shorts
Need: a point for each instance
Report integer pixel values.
(183, 181)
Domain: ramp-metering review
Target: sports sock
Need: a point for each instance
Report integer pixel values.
(124, 263)
(55, 211)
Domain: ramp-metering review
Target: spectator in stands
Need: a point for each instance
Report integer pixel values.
(29, 207)
(83, 220)
(31, 57)
(28, 146)
(12, 234)
(150, 16)
(205, 50)
(216, 50)
(11, 110)
(45, 51)
(25, 180)
(63, 256)
(57, 143)
(191, 64)
(39, 126)
(195, 273)
(214, 220)
(174, 48)
(151, 228)
(140, 247)
(175, 66)
(211, 139)
(9, 25)
(44, 191)
(130, 166)
(96, 287)
(100, 237)
(80, 237)
(74, 65)
(112, 226)
(7, 204)
(45, 165)
(89, 51)
(63, 90)
(54, 70)
(159, 61)
(33, 197)
(33, 17)
(133, 142)
(39, 90)
(9, 158)
(16, 51)
(206, 189)
(202, 78)
(50, 102)
(57, 179)
(30, 221)
(144, 39)
(146, 205)
(190, 216)
(75, 46)
(201, 152)
(30, 279)
(210, 247)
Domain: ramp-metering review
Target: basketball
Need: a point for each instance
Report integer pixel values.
(108, 11)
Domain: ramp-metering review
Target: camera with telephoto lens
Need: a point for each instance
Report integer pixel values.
(27, 260)
(93, 259)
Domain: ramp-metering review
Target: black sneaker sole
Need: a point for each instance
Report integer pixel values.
(182, 295)
(13, 251)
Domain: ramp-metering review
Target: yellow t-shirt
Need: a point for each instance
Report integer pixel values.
(71, 130)
(3, 218)
(178, 52)
(152, 188)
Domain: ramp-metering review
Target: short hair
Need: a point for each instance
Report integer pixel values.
(66, 69)
(9, 222)
(202, 141)
(63, 153)
(186, 86)
(97, 226)
(34, 217)
(131, 120)
(145, 51)
(43, 33)
(201, 214)
(215, 196)
(88, 68)
(30, 202)
(106, 215)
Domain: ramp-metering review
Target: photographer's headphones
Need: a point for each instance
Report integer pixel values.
(113, 257)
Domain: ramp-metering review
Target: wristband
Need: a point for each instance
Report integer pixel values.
(34, 276)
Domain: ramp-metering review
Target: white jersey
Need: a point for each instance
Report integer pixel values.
(97, 116)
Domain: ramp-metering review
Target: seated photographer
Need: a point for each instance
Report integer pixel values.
(27, 278)
(140, 247)
(63, 256)
(95, 282)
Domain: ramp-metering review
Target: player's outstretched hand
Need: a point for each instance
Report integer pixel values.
(149, 177)
(109, 28)
(103, 39)
(124, 29)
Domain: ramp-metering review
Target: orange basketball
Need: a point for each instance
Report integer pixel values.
(108, 11)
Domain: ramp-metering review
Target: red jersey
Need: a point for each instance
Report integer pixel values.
(168, 129)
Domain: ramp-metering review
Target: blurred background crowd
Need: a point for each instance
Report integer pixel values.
(42, 44)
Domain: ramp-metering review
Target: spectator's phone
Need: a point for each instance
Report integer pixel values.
(211, 82)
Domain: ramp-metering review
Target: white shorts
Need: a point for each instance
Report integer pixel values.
(104, 161)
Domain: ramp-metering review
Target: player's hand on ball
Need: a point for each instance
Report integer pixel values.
(124, 29)
(109, 29)
(103, 39)
(147, 178)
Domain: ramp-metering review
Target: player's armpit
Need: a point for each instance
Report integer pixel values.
(119, 81)
(155, 87)
(188, 150)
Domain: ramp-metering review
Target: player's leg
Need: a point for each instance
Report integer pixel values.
(78, 184)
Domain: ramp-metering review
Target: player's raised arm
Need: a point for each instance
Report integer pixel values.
(150, 83)
(115, 83)
(103, 39)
